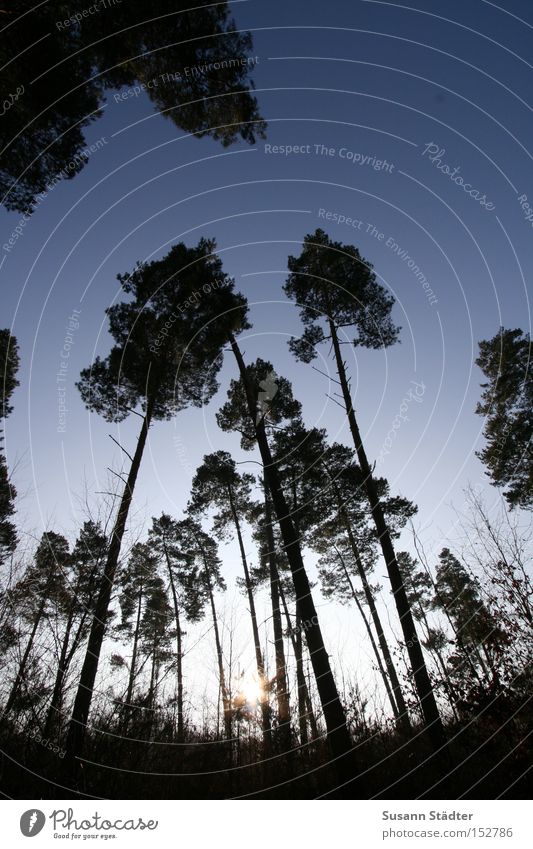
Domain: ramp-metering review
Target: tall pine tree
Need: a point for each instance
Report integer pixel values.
(335, 288)
(168, 338)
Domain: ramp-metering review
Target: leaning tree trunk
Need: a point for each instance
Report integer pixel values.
(373, 643)
(451, 692)
(401, 713)
(265, 707)
(82, 703)
(421, 677)
(305, 707)
(301, 683)
(282, 693)
(334, 715)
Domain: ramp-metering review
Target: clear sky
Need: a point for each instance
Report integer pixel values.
(376, 96)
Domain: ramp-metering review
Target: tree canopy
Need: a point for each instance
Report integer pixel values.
(9, 365)
(273, 401)
(332, 281)
(168, 336)
(507, 403)
(60, 61)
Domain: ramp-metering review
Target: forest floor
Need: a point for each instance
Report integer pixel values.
(487, 759)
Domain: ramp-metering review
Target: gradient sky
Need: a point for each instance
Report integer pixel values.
(379, 79)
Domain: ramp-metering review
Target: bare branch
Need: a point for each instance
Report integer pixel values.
(323, 373)
(335, 401)
(121, 447)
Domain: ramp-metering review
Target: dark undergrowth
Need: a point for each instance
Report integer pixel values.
(488, 758)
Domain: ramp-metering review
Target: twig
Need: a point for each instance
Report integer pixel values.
(329, 377)
(117, 475)
(335, 401)
(131, 410)
(121, 448)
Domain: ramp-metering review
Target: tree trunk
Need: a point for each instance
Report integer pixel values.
(337, 731)
(403, 715)
(152, 691)
(282, 693)
(310, 712)
(457, 635)
(226, 702)
(79, 631)
(82, 703)
(421, 677)
(305, 708)
(306, 713)
(179, 650)
(375, 649)
(52, 716)
(448, 686)
(265, 707)
(64, 665)
(23, 663)
(133, 665)
(301, 684)
(304, 700)
(451, 692)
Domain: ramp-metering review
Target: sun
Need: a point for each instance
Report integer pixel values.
(250, 689)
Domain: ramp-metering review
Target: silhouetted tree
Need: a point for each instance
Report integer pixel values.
(258, 398)
(296, 452)
(136, 581)
(477, 632)
(37, 594)
(345, 519)
(9, 365)
(217, 484)
(8, 531)
(167, 353)
(204, 550)
(325, 491)
(188, 58)
(506, 402)
(419, 587)
(268, 571)
(82, 577)
(188, 595)
(498, 544)
(335, 287)
(156, 634)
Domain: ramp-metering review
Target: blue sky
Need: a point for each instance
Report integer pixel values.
(368, 81)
